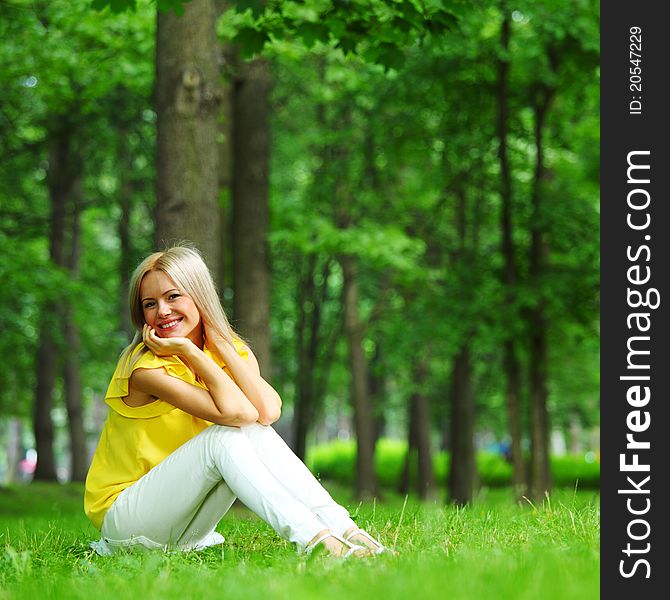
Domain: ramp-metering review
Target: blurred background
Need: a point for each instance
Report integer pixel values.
(399, 201)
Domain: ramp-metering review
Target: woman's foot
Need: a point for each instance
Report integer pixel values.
(336, 546)
(360, 537)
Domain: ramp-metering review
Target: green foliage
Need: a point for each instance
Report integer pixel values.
(119, 6)
(576, 471)
(66, 68)
(116, 6)
(377, 30)
(493, 549)
(402, 150)
(336, 461)
(394, 149)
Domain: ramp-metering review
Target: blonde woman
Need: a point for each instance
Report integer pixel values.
(189, 430)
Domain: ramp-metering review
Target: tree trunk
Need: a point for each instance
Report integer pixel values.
(14, 448)
(61, 177)
(251, 157)
(511, 364)
(377, 389)
(306, 361)
(463, 467)
(225, 131)
(408, 476)
(539, 414)
(426, 480)
(311, 297)
(366, 484)
(512, 372)
(419, 457)
(72, 373)
(187, 102)
(47, 370)
(125, 251)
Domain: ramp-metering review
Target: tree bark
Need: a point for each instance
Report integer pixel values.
(72, 372)
(309, 338)
(539, 413)
(366, 481)
(62, 174)
(419, 458)
(512, 370)
(187, 103)
(408, 476)
(302, 415)
(463, 467)
(377, 389)
(226, 55)
(125, 251)
(511, 366)
(14, 448)
(426, 481)
(251, 158)
(42, 423)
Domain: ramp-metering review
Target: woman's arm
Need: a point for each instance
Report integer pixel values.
(247, 376)
(223, 402)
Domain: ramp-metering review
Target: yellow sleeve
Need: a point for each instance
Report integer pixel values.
(241, 348)
(142, 358)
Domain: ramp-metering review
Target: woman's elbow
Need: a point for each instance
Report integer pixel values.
(248, 415)
(270, 415)
(244, 415)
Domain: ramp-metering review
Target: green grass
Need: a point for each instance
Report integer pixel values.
(494, 549)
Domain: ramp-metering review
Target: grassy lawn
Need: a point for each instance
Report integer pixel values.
(495, 549)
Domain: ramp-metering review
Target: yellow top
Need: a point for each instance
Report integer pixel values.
(136, 439)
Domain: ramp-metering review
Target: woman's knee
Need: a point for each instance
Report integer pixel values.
(225, 434)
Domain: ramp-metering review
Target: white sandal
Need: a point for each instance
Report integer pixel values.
(380, 547)
(351, 547)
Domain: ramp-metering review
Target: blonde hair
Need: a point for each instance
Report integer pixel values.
(185, 266)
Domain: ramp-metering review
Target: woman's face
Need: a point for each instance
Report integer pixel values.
(169, 310)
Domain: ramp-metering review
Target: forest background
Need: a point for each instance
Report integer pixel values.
(399, 201)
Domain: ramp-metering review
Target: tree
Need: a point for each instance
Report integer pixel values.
(187, 106)
(417, 161)
(250, 217)
(59, 142)
(509, 274)
(72, 369)
(419, 455)
(562, 47)
(63, 180)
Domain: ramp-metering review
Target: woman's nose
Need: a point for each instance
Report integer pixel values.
(163, 309)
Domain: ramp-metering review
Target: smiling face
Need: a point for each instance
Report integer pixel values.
(168, 309)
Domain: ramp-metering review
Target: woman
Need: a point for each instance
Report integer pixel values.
(189, 430)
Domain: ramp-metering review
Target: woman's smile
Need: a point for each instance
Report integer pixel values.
(168, 310)
(171, 324)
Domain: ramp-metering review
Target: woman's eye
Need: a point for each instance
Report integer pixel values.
(173, 296)
(148, 305)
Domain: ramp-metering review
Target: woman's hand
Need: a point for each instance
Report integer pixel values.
(212, 337)
(164, 346)
(218, 344)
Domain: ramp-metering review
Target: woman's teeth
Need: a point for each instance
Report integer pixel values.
(170, 325)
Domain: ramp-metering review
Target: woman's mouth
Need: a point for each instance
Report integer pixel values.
(170, 324)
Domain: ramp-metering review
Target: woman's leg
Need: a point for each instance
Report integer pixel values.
(296, 478)
(216, 504)
(173, 495)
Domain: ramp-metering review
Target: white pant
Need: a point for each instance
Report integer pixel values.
(179, 502)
